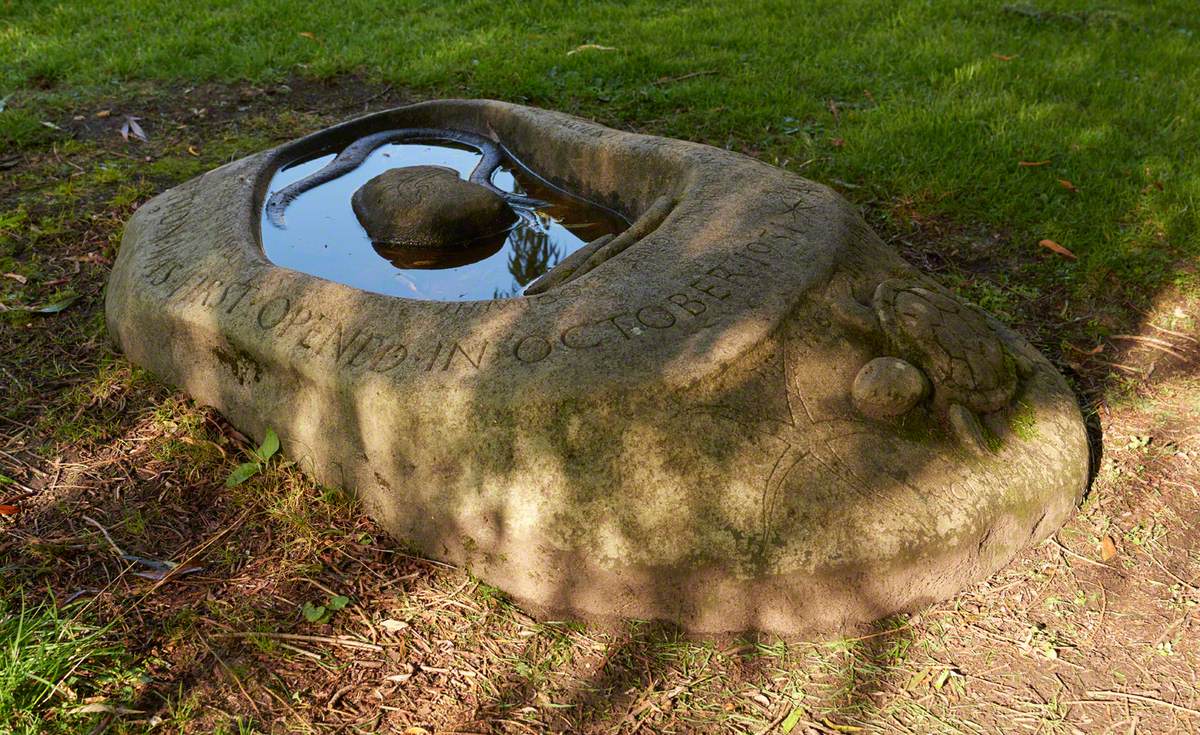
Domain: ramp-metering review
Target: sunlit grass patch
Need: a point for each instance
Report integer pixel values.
(20, 129)
(52, 665)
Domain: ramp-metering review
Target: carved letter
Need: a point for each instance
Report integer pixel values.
(568, 338)
(299, 317)
(388, 357)
(617, 324)
(161, 273)
(687, 303)
(241, 288)
(273, 312)
(716, 290)
(457, 348)
(655, 316)
(532, 349)
(372, 340)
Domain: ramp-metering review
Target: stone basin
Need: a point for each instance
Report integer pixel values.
(671, 432)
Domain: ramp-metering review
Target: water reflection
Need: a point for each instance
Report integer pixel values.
(532, 253)
(439, 258)
(324, 238)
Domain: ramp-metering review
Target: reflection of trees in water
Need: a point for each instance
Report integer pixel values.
(533, 254)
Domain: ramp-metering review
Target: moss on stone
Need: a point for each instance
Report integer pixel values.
(1023, 422)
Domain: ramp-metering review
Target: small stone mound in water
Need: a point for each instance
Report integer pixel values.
(430, 207)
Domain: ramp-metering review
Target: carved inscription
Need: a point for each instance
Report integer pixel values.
(582, 127)
(695, 303)
(316, 334)
(690, 306)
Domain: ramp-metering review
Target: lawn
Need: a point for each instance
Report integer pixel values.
(1043, 159)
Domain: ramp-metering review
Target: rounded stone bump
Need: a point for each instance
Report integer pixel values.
(888, 386)
(430, 207)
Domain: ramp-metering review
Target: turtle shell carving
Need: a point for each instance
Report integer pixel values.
(950, 341)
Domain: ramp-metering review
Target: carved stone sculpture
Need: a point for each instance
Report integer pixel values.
(951, 341)
(743, 412)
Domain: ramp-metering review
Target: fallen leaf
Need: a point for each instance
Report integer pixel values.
(590, 47)
(940, 680)
(17, 277)
(789, 723)
(192, 150)
(309, 35)
(53, 307)
(415, 730)
(98, 707)
(50, 125)
(1002, 57)
(103, 114)
(1064, 183)
(918, 679)
(1108, 548)
(1055, 247)
(392, 625)
(132, 127)
(159, 569)
(9, 510)
(1029, 164)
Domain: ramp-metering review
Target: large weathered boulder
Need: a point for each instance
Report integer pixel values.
(668, 431)
(430, 207)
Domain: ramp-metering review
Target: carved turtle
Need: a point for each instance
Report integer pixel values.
(950, 342)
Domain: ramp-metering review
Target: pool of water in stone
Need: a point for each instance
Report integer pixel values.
(322, 236)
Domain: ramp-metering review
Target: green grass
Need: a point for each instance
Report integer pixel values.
(52, 665)
(937, 103)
